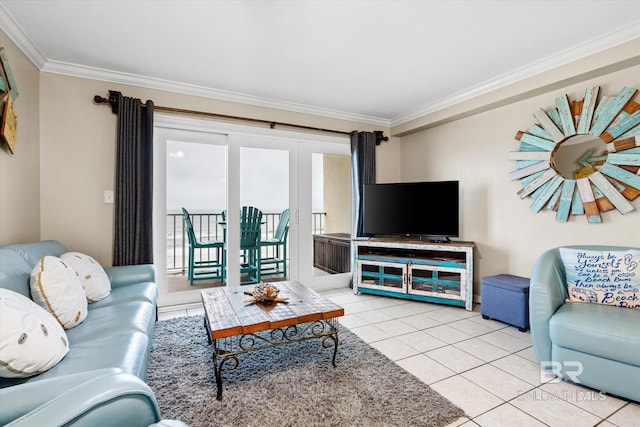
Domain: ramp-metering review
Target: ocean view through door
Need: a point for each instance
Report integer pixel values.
(196, 187)
(264, 185)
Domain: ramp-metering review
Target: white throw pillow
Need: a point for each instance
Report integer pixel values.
(94, 279)
(31, 340)
(603, 277)
(55, 286)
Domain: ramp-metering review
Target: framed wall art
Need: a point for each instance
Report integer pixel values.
(7, 82)
(9, 125)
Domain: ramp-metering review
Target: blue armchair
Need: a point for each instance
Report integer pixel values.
(592, 344)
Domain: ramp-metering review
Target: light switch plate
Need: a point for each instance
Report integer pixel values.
(108, 196)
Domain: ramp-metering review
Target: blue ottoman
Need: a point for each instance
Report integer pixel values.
(506, 298)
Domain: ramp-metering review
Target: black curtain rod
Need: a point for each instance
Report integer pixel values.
(112, 100)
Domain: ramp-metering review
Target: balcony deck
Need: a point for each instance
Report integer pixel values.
(206, 227)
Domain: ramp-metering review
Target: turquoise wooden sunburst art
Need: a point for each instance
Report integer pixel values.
(601, 181)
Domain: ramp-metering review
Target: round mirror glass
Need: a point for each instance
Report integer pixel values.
(577, 156)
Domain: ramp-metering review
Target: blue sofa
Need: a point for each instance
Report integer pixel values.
(597, 345)
(100, 382)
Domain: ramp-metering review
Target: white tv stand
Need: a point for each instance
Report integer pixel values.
(414, 269)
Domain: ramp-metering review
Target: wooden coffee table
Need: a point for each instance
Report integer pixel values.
(234, 326)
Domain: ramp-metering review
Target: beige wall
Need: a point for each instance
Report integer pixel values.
(337, 193)
(509, 236)
(78, 152)
(388, 160)
(20, 172)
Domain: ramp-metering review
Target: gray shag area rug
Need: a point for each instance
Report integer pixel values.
(289, 385)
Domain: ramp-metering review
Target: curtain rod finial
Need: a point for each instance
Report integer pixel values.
(380, 136)
(112, 100)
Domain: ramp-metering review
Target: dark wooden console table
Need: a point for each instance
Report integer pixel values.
(332, 252)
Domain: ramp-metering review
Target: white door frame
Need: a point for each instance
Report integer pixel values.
(306, 276)
(167, 125)
(269, 143)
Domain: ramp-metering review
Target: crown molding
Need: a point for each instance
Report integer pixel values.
(83, 71)
(606, 41)
(15, 32)
(22, 40)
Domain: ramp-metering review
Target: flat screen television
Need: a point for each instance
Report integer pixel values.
(424, 209)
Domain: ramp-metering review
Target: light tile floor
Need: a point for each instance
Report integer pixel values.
(485, 367)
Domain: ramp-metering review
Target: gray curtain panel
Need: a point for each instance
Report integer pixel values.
(133, 241)
(363, 171)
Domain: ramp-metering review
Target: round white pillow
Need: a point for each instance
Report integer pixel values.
(94, 279)
(31, 340)
(55, 286)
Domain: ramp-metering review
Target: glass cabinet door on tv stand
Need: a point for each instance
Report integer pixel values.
(384, 276)
(417, 270)
(441, 282)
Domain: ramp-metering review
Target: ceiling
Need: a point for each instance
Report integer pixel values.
(378, 62)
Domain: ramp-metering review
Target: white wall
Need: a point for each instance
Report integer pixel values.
(509, 236)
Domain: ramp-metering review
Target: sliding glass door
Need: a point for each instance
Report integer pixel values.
(298, 183)
(266, 173)
(195, 186)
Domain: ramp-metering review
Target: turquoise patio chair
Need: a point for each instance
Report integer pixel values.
(250, 231)
(208, 269)
(277, 264)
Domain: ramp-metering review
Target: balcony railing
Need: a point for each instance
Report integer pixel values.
(206, 227)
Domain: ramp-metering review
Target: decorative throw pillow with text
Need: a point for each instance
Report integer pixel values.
(603, 277)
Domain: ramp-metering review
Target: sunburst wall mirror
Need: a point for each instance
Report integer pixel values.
(582, 157)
